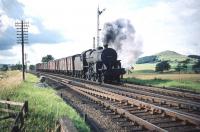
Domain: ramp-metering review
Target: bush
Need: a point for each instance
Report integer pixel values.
(32, 67)
(4, 68)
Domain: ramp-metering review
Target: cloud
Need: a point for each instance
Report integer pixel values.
(45, 35)
(169, 25)
(12, 8)
(8, 39)
(60, 27)
(12, 11)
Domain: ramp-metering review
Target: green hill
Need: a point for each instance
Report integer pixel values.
(171, 56)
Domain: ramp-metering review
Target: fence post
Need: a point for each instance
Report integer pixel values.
(21, 119)
(26, 107)
(8, 105)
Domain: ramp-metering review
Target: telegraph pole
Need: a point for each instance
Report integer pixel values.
(22, 38)
(98, 14)
(93, 42)
(26, 56)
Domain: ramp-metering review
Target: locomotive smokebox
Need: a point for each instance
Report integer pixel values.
(107, 56)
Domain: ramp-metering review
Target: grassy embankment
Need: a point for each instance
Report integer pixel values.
(144, 74)
(45, 107)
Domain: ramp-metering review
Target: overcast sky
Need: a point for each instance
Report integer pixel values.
(66, 27)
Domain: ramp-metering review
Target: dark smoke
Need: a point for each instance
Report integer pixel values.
(116, 32)
(121, 36)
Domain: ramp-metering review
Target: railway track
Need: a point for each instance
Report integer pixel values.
(185, 106)
(134, 110)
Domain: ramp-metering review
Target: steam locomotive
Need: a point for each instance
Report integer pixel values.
(99, 65)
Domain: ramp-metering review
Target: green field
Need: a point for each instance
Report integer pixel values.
(150, 68)
(185, 81)
(45, 107)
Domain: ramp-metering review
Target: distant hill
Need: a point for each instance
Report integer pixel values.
(194, 56)
(171, 56)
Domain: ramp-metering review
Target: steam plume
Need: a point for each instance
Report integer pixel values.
(121, 36)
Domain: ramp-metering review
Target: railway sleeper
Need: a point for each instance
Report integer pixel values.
(141, 114)
(183, 129)
(141, 106)
(118, 110)
(173, 125)
(159, 120)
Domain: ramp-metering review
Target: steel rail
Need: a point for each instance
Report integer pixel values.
(171, 101)
(148, 106)
(141, 104)
(120, 111)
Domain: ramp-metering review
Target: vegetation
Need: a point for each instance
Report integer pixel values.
(182, 65)
(32, 67)
(179, 63)
(162, 66)
(147, 59)
(196, 67)
(194, 56)
(47, 58)
(179, 71)
(45, 107)
(16, 67)
(4, 67)
(170, 56)
(189, 82)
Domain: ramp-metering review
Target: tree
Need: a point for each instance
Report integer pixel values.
(194, 56)
(47, 58)
(182, 65)
(163, 65)
(5, 68)
(196, 67)
(178, 68)
(16, 67)
(32, 67)
(147, 59)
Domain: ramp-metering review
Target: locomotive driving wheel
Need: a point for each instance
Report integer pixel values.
(94, 77)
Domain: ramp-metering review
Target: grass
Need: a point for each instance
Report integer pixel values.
(167, 76)
(185, 81)
(147, 66)
(144, 74)
(45, 107)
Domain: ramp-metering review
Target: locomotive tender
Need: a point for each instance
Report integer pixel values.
(99, 65)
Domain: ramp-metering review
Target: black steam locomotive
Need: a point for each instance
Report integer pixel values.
(99, 64)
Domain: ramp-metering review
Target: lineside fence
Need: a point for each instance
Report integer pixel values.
(12, 115)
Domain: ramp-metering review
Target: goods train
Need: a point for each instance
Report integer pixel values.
(99, 65)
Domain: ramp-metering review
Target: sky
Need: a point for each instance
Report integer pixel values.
(67, 27)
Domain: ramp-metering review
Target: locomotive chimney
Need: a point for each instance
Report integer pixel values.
(105, 45)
